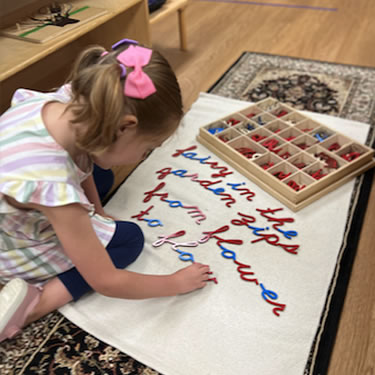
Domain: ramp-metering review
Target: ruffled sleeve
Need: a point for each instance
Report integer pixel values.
(21, 95)
(33, 167)
(62, 94)
(46, 193)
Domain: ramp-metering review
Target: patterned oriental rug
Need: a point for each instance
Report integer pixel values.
(55, 345)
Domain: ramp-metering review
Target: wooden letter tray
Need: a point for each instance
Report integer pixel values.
(286, 153)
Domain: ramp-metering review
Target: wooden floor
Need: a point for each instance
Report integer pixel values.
(217, 33)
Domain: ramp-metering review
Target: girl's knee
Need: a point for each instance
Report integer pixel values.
(138, 240)
(127, 244)
(138, 235)
(130, 232)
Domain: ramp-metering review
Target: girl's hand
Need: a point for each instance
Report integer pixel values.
(191, 277)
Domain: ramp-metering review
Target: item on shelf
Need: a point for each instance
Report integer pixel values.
(51, 21)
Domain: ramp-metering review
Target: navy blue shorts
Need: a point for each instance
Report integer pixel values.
(124, 247)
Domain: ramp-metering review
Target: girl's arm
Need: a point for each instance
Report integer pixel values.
(92, 194)
(80, 242)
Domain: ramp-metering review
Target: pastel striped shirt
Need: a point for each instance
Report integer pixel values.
(36, 169)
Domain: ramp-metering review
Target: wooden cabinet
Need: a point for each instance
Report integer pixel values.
(46, 65)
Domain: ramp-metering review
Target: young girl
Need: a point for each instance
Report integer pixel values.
(56, 242)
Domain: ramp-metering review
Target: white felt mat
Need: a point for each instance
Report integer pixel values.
(226, 328)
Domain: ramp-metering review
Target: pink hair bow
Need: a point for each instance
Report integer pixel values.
(137, 84)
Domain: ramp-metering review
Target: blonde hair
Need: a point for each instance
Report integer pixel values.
(98, 98)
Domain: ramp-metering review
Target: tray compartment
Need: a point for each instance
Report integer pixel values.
(246, 127)
(251, 112)
(228, 134)
(281, 111)
(246, 148)
(308, 126)
(329, 159)
(216, 127)
(298, 181)
(268, 105)
(273, 143)
(234, 119)
(352, 152)
(317, 170)
(263, 119)
(301, 160)
(290, 134)
(276, 177)
(259, 134)
(282, 170)
(322, 133)
(336, 142)
(267, 161)
(293, 118)
(287, 150)
(304, 141)
(276, 126)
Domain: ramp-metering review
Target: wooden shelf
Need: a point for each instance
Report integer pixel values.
(44, 66)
